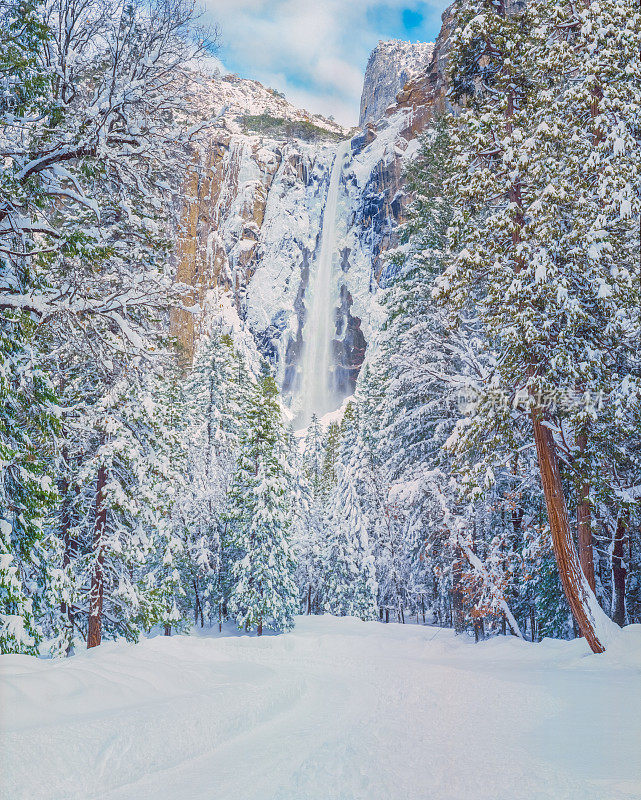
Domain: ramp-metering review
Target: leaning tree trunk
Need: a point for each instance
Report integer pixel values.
(591, 620)
(94, 632)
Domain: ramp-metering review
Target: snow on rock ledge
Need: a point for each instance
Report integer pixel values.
(391, 65)
(253, 203)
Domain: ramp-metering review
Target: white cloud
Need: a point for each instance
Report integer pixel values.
(313, 50)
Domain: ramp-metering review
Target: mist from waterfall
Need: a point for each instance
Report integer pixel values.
(316, 393)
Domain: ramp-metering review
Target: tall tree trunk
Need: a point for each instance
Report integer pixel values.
(71, 548)
(533, 623)
(198, 608)
(619, 572)
(94, 632)
(259, 630)
(584, 520)
(591, 620)
(458, 612)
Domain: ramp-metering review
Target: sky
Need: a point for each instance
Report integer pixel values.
(316, 51)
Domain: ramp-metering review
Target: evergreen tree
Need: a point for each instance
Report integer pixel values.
(263, 591)
(213, 397)
(124, 545)
(330, 457)
(351, 586)
(349, 560)
(29, 412)
(308, 519)
(313, 456)
(547, 303)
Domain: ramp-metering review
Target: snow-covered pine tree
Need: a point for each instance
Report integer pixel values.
(263, 593)
(170, 564)
(330, 458)
(29, 414)
(587, 155)
(349, 565)
(392, 544)
(308, 517)
(432, 360)
(423, 362)
(213, 396)
(89, 137)
(422, 353)
(313, 455)
(126, 549)
(538, 293)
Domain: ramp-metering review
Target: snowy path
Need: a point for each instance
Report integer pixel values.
(336, 710)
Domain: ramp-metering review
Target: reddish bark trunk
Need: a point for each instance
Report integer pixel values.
(619, 572)
(575, 586)
(94, 632)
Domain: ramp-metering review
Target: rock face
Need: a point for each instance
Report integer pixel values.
(253, 203)
(426, 94)
(236, 164)
(391, 65)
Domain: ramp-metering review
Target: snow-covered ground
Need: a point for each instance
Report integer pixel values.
(337, 709)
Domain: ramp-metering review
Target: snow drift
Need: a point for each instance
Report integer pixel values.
(336, 709)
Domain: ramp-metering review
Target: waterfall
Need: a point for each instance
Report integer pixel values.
(316, 393)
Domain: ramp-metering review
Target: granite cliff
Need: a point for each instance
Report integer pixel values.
(391, 65)
(254, 199)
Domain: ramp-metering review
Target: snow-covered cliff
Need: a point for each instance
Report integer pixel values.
(391, 65)
(254, 207)
(260, 150)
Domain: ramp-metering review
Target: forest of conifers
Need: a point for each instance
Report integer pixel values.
(486, 475)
